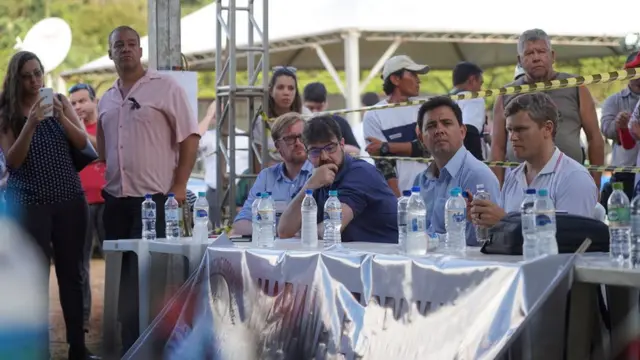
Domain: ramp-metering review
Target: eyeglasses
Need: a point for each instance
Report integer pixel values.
(291, 139)
(78, 87)
(290, 69)
(314, 153)
(35, 74)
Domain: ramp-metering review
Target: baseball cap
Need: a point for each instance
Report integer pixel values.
(633, 60)
(402, 62)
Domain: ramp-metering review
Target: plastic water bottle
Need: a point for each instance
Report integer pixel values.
(634, 251)
(403, 201)
(545, 224)
(148, 218)
(455, 222)
(416, 241)
(172, 218)
(266, 220)
(24, 306)
(619, 224)
(530, 243)
(201, 218)
(309, 209)
(332, 220)
(482, 233)
(255, 229)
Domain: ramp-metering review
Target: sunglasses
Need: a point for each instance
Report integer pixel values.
(78, 87)
(290, 69)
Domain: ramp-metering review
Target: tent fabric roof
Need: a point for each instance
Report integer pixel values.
(301, 19)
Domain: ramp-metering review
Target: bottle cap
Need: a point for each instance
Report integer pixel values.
(530, 191)
(455, 191)
(480, 187)
(269, 193)
(202, 194)
(333, 192)
(618, 186)
(147, 196)
(259, 194)
(264, 195)
(543, 192)
(171, 194)
(406, 193)
(415, 189)
(308, 192)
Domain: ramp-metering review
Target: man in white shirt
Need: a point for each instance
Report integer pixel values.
(207, 152)
(390, 132)
(468, 77)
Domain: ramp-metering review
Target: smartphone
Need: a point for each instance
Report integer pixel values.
(46, 94)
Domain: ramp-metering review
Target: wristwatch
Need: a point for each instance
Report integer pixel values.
(384, 149)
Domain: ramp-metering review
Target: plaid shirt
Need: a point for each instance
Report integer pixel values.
(388, 166)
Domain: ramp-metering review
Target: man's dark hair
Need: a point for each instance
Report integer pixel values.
(436, 102)
(370, 99)
(321, 129)
(463, 71)
(123, 28)
(315, 92)
(81, 86)
(387, 85)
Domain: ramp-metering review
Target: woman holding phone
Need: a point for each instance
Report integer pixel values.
(43, 187)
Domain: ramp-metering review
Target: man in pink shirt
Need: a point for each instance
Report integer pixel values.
(148, 137)
(84, 102)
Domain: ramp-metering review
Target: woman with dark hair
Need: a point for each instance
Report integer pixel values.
(284, 97)
(43, 185)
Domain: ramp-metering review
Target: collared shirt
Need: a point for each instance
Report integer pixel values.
(142, 137)
(570, 186)
(396, 124)
(464, 171)
(283, 189)
(361, 186)
(624, 100)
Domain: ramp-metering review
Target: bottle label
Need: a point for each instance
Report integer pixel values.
(265, 215)
(202, 213)
(172, 215)
(333, 215)
(619, 216)
(418, 224)
(459, 216)
(543, 220)
(148, 214)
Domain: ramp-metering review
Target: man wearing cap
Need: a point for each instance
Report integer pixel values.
(391, 131)
(616, 111)
(84, 102)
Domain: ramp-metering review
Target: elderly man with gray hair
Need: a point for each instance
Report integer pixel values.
(575, 105)
(531, 121)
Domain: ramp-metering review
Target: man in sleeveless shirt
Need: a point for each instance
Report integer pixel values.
(148, 137)
(576, 107)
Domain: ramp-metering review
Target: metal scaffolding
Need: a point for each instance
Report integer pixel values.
(229, 92)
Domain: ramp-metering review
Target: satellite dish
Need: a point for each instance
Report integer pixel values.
(50, 39)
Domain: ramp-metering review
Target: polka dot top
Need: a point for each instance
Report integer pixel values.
(47, 175)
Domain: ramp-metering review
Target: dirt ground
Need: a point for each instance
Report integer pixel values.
(59, 346)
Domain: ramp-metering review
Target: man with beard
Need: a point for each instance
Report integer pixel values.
(442, 132)
(284, 180)
(576, 106)
(369, 207)
(148, 137)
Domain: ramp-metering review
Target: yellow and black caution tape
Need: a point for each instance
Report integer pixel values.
(603, 78)
(512, 164)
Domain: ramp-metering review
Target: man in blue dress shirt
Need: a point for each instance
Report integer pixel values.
(369, 207)
(284, 180)
(442, 133)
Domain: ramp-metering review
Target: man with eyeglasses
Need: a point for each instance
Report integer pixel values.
(369, 207)
(284, 180)
(84, 102)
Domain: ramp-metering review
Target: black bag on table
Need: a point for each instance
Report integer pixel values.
(571, 231)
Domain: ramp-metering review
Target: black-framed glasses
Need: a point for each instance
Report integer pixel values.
(78, 87)
(290, 69)
(291, 139)
(314, 153)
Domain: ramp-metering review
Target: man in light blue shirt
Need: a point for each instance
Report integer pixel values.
(531, 121)
(284, 180)
(442, 133)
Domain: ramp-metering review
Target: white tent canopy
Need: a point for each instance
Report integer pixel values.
(437, 33)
